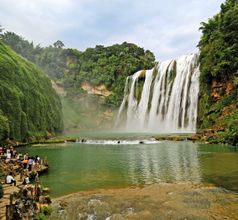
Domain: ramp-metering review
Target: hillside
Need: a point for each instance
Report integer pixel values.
(29, 106)
(218, 111)
(92, 81)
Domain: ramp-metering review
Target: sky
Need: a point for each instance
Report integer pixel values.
(169, 28)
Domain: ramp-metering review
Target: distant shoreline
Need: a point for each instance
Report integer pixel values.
(206, 136)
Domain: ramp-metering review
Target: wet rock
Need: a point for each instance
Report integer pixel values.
(46, 190)
(94, 203)
(128, 211)
(92, 217)
(116, 217)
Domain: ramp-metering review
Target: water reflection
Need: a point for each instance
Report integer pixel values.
(166, 162)
(75, 167)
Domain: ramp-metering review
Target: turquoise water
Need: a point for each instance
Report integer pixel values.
(76, 166)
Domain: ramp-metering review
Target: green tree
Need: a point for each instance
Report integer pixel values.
(1, 29)
(58, 44)
(219, 44)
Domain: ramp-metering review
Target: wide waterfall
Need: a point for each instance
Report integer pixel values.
(163, 99)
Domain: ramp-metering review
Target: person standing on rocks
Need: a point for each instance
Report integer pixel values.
(10, 179)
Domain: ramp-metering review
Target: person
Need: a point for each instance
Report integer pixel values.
(8, 154)
(25, 163)
(30, 163)
(11, 151)
(14, 153)
(10, 179)
(25, 157)
(26, 180)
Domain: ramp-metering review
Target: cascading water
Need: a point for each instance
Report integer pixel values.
(163, 99)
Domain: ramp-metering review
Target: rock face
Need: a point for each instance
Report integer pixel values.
(220, 89)
(59, 90)
(100, 90)
(218, 111)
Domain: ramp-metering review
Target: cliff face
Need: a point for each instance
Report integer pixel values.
(29, 106)
(219, 74)
(218, 111)
(99, 90)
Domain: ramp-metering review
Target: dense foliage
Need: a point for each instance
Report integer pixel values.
(219, 73)
(219, 44)
(29, 107)
(100, 65)
(111, 65)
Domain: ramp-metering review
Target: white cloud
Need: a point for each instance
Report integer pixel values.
(168, 28)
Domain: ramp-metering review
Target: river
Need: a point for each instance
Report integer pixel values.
(131, 162)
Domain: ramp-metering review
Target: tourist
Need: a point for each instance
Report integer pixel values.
(14, 153)
(25, 163)
(4, 150)
(21, 172)
(26, 180)
(37, 161)
(30, 163)
(25, 157)
(10, 179)
(8, 154)
(11, 151)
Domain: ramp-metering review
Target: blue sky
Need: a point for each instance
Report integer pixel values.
(167, 28)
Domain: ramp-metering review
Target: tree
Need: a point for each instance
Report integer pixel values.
(58, 44)
(1, 28)
(219, 44)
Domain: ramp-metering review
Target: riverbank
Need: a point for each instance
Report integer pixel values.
(157, 201)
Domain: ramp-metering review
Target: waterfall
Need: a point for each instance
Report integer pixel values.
(164, 99)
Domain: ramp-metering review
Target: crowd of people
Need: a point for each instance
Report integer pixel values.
(26, 165)
(8, 153)
(22, 170)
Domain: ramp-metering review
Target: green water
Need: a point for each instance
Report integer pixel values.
(75, 167)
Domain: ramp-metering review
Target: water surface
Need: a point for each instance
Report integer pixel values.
(76, 166)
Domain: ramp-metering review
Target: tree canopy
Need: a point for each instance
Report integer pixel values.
(100, 65)
(219, 44)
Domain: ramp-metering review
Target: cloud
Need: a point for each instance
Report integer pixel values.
(168, 28)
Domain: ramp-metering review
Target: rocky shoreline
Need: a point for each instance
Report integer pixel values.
(157, 201)
(22, 200)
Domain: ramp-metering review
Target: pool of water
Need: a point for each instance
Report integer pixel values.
(79, 166)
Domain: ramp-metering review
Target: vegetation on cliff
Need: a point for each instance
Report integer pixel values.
(71, 69)
(29, 106)
(100, 65)
(219, 73)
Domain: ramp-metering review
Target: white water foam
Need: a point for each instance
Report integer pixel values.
(168, 101)
(118, 142)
